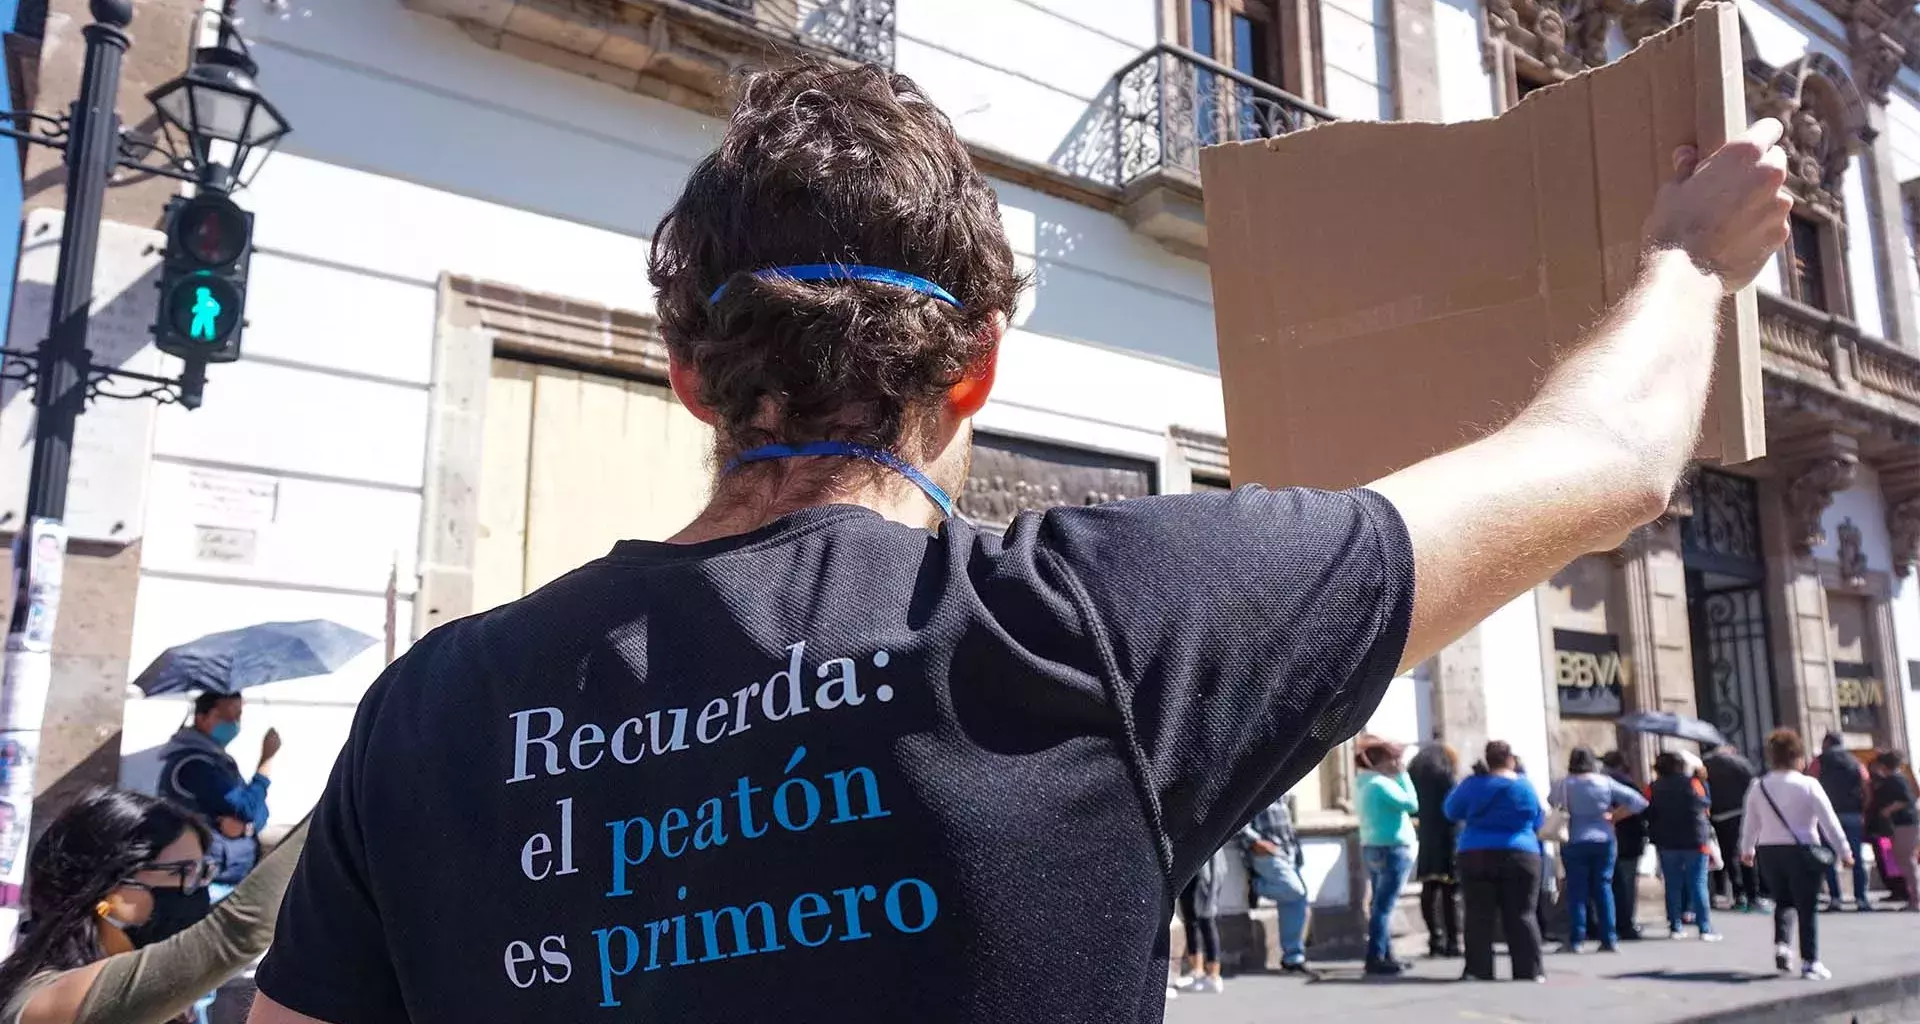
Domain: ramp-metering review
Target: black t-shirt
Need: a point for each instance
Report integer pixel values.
(1892, 789)
(838, 769)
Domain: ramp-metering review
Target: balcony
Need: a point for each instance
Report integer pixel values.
(1823, 372)
(1168, 105)
(681, 51)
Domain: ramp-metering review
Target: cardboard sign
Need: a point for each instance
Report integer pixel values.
(1385, 292)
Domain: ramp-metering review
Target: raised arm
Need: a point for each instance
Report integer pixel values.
(1601, 447)
(155, 984)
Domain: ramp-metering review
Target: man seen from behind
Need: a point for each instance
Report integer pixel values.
(832, 753)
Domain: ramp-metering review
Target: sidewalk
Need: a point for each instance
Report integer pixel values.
(1875, 959)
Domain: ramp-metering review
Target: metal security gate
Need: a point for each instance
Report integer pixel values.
(1732, 675)
(1727, 608)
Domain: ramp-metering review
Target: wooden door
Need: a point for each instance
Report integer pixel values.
(574, 462)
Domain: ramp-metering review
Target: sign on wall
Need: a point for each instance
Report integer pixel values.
(1859, 695)
(223, 498)
(113, 441)
(1591, 675)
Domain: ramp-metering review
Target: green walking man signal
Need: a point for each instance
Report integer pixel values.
(203, 279)
(206, 313)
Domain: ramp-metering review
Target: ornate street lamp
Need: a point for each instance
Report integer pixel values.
(216, 115)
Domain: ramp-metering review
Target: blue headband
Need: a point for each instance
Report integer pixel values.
(854, 272)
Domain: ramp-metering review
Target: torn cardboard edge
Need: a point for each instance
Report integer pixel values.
(1416, 300)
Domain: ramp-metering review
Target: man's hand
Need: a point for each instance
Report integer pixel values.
(1729, 214)
(1846, 860)
(1747, 859)
(1264, 848)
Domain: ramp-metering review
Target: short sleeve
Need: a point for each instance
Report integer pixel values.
(1245, 634)
(329, 958)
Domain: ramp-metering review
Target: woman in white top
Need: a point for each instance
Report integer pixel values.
(1787, 817)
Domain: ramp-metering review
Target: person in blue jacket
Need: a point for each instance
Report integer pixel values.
(197, 773)
(1499, 863)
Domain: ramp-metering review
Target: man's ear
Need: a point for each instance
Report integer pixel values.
(686, 387)
(970, 395)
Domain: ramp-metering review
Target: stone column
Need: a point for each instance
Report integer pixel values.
(1459, 695)
(1658, 640)
(1812, 469)
(1886, 220)
(1416, 60)
(1874, 35)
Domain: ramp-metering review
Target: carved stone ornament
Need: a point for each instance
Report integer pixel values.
(1903, 529)
(1853, 560)
(1566, 37)
(1881, 35)
(1811, 492)
(1825, 119)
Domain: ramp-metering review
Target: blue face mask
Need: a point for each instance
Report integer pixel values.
(224, 732)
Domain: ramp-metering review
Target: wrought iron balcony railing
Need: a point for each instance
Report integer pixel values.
(1172, 101)
(857, 29)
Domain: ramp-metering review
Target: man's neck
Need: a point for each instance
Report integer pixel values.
(735, 509)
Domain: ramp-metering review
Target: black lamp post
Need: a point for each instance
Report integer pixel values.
(214, 104)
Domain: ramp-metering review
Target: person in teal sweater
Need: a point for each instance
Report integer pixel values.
(1387, 805)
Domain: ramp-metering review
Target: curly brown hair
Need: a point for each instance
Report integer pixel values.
(829, 164)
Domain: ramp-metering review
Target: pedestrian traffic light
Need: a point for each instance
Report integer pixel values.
(203, 280)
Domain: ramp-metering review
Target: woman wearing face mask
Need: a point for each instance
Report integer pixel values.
(117, 928)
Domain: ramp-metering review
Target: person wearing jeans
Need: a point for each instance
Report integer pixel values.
(1787, 815)
(1274, 859)
(1592, 802)
(1677, 823)
(1844, 779)
(1685, 873)
(1499, 860)
(1387, 804)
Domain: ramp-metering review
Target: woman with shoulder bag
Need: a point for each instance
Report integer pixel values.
(1786, 816)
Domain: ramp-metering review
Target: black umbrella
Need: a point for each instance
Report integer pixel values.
(1666, 723)
(238, 658)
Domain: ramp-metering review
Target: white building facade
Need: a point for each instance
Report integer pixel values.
(453, 391)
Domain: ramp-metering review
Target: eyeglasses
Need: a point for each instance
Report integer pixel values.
(194, 875)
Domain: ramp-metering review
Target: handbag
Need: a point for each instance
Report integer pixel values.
(1554, 829)
(1818, 856)
(1883, 856)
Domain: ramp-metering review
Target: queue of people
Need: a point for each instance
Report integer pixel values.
(1479, 846)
